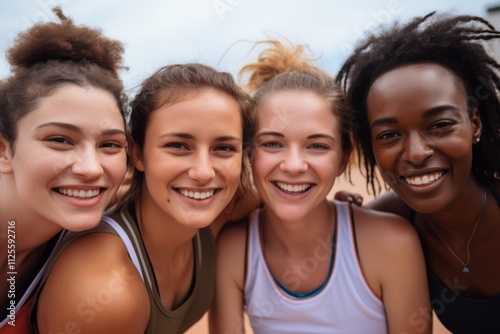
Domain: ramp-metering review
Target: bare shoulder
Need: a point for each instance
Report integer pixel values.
(383, 226)
(231, 253)
(232, 238)
(94, 287)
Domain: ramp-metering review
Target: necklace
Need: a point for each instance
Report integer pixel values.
(465, 264)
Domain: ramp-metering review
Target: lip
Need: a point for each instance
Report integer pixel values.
(423, 181)
(80, 196)
(197, 195)
(293, 189)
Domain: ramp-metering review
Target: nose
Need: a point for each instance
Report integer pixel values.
(86, 163)
(417, 149)
(293, 162)
(202, 169)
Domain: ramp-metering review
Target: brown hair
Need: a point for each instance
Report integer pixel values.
(173, 83)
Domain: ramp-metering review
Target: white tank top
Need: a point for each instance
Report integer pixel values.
(344, 305)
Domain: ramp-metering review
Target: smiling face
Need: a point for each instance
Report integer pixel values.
(69, 157)
(192, 158)
(298, 153)
(422, 134)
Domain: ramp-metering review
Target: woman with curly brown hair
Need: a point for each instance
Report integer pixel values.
(425, 97)
(62, 150)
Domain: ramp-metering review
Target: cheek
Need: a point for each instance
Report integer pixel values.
(117, 167)
(260, 163)
(384, 156)
(232, 170)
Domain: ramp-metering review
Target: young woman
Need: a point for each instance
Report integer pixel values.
(62, 150)
(150, 268)
(426, 98)
(304, 264)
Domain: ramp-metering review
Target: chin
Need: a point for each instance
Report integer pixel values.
(83, 223)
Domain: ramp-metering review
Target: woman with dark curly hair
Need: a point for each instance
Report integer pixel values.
(62, 150)
(425, 99)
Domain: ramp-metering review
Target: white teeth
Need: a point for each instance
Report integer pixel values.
(297, 188)
(424, 180)
(197, 194)
(79, 193)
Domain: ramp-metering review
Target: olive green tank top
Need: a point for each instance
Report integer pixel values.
(161, 320)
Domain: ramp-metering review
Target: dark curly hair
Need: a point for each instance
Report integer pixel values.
(172, 83)
(49, 55)
(455, 42)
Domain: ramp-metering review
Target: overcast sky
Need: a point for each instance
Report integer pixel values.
(219, 32)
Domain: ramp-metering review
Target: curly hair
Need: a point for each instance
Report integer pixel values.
(280, 68)
(172, 83)
(49, 55)
(456, 43)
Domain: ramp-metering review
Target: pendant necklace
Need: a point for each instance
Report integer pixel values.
(465, 264)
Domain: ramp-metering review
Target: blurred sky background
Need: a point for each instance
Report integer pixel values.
(219, 32)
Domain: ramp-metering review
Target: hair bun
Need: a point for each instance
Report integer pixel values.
(274, 60)
(65, 41)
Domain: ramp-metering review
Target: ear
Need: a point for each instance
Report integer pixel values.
(136, 155)
(5, 156)
(477, 126)
(343, 163)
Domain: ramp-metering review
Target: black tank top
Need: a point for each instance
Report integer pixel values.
(460, 314)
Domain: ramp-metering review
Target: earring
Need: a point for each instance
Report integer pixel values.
(478, 139)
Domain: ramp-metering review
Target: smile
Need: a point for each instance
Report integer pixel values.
(293, 188)
(196, 194)
(79, 193)
(423, 179)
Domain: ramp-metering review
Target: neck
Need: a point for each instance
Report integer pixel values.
(297, 236)
(162, 235)
(460, 217)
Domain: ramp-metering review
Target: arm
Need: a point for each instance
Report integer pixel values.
(94, 288)
(387, 202)
(393, 262)
(226, 314)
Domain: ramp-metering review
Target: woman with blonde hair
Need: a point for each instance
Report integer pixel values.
(303, 263)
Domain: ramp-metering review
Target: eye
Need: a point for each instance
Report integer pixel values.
(225, 148)
(271, 144)
(176, 146)
(319, 147)
(112, 146)
(58, 140)
(387, 135)
(441, 125)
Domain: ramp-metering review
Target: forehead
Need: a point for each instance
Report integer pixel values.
(416, 85)
(78, 104)
(419, 75)
(290, 106)
(209, 107)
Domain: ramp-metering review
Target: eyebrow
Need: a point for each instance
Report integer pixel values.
(427, 114)
(191, 137)
(278, 134)
(76, 129)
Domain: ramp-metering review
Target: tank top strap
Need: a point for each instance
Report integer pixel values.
(126, 241)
